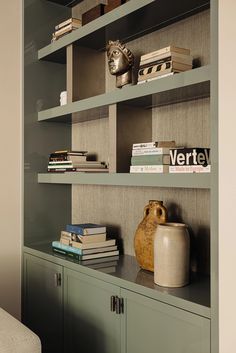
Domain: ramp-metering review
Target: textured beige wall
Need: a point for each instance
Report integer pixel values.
(227, 185)
(10, 147)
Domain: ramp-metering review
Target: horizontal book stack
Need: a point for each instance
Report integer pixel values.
(151, 157)
(73, 161)
(85, 242)
(190, 160)
(66, 27)
(164, 62)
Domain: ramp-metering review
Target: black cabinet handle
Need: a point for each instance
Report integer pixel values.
(57, 279)
(113, 303)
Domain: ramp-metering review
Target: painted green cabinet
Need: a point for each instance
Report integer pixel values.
(43, 301)
(90, 325)
(71, 312)
(153, 327)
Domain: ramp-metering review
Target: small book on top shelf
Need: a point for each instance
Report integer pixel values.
(66, 27)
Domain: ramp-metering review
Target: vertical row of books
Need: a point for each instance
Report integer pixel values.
(88, 243)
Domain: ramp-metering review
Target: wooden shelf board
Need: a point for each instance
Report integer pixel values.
(199, 181)
(127, 22)
(184, 86)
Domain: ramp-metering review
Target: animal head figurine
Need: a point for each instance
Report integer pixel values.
(120, 62)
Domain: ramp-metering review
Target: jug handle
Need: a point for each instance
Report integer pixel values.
(161, 212)
(146, 211)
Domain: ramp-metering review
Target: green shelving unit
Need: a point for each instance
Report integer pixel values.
(193, 84)
(197, 181)
(106, 121)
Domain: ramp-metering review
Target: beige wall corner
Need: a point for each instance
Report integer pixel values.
(227, 173)
(11, 155)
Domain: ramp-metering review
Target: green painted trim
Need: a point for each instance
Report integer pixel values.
(189, 78)
(214, 180)
(198, 181)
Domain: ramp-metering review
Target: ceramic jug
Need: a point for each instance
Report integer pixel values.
(154, 213)
(171, 255)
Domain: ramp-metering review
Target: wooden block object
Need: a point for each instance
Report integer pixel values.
(92, 14)
(112, 4)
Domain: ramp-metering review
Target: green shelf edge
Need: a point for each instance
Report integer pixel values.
(93, 26)
(195, 180)
(181, 80)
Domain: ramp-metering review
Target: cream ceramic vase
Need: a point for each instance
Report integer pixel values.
(171, 255)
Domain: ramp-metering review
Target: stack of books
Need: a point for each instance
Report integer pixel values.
(190, 160)
(86, 241)
(164, 62)
(66, 27)
(151, 157)
(73, 161)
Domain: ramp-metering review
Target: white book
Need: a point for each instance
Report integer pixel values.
(180, 58)
(189, 169)
(154, 144)
(74, 21)
(165, 50)
(150, 151)
(149, 169)
(157, 77)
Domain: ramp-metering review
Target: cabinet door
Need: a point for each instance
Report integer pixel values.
(153, 327)
(43, 306)
(90, 325)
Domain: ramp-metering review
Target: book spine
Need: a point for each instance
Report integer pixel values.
(190, 156)
(75, 21)
(149, 169)
(74, 229)
(175, 64)
(151, 160)
(58, 245)
(181, 58)
(68, 253)
(150, 151)
(189, 169)
(145, 145)
(165, 50)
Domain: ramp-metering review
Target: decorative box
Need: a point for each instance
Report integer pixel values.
(92, 14)
(112, 4)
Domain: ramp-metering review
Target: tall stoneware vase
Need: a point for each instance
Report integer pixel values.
(171, 255)
(154, 213)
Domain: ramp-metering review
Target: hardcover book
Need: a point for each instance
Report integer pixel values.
(149, 169)
(60, 245)
(190, 156)
(85, 228)
(151, 159)
(110, 242)
(76, 253)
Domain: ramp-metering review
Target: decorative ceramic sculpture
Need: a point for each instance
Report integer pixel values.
(120, 62)
(171, 255)
(154, 213)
